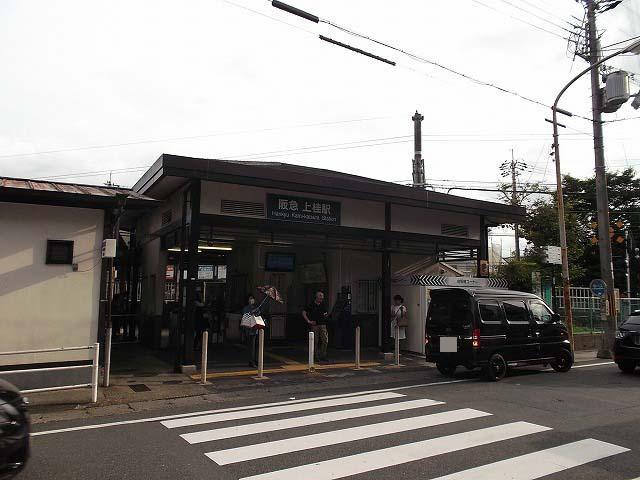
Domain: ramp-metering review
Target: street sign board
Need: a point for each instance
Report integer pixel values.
(302, 209)
(552, 255)
(598, 287)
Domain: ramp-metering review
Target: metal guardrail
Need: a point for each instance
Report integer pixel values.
(94, 366)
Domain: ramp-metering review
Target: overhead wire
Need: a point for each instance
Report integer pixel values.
(507, 2)
(537, 27)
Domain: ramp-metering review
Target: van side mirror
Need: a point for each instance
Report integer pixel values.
(555, 317)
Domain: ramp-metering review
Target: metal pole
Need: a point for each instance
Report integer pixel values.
(95, 372)
(397, 346)
(602, 197)
(205, 355)
(358, 347)
(261, 353)
(107, 356)
(311, 356)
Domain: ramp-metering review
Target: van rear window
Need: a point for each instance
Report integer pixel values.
(451, 309)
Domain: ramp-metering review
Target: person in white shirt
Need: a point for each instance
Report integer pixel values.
(399, 318)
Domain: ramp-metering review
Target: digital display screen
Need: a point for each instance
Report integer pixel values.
(280, 262)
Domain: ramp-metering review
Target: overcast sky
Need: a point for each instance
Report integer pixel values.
(143, 75)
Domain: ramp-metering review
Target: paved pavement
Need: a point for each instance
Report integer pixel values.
(534, 424)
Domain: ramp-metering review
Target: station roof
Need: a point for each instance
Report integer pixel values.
(170, 172)
(23, 190)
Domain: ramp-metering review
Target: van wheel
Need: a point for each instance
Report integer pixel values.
(627, 366)
(563, 362)
(497, 368)
(446, 369)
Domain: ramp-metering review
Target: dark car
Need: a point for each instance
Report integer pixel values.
(626, 349)
(493, 330)
(14, 430)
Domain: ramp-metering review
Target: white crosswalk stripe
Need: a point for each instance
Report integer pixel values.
(530, 466)
(542, 463)
(262, 412)
(272, 426)
(388, 457)
(296, 444)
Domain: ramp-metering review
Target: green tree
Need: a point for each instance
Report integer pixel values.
(517, 273)
(541, 229)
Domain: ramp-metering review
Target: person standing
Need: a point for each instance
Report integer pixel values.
(316, 314)
(399, 318)
(251, 334)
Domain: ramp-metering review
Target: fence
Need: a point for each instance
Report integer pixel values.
(586, 309)
(94, 366)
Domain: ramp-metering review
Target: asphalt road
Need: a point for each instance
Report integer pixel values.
(584, 424)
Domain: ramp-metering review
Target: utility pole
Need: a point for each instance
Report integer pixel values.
(513, 168)
(627, 262)
(514, 201)
(607, 309)
(418, 162)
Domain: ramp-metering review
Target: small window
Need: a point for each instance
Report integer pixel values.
(367, 296)
(515, 311)
(59, 252)
(540, 312)
(490, 312)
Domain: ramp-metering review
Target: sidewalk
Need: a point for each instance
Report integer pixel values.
(131, 392)
(143, 379)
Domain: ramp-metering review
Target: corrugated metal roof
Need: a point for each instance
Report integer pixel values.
(69, 188)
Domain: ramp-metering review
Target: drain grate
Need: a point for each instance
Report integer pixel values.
(139, 387)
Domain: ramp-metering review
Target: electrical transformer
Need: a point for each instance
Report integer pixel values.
(616, 91)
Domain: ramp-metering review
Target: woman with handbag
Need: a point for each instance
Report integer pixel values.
(399, 318)
(249, 312)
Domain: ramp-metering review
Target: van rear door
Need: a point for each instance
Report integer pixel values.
(450, 314)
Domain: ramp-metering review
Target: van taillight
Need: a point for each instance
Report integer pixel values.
(476, 338)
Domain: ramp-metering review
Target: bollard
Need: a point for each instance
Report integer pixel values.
(107, 357)
(311, 354)
(95, 372)
(205, 355)
(261, 353)
(358, 348)
(397, 352)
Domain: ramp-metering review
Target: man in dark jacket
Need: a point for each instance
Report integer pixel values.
(315, 314)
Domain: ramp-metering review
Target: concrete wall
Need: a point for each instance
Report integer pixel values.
(429, 221)
(46, 306)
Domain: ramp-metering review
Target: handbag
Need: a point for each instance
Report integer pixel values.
(403, 321)
(248, 321)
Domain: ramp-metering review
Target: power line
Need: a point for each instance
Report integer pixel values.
(537, 16)
(537, 27)
(191, 137)
(439, 65)
(548, 12)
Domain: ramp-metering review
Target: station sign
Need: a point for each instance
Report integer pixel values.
(288, 208)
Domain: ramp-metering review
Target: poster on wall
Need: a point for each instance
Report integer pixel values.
(205, 272)
(302, 209)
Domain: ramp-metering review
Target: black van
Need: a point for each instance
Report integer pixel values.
(493, 329)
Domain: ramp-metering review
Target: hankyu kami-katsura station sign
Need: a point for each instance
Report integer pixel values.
(302, 209)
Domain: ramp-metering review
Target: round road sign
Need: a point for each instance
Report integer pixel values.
(598, 287)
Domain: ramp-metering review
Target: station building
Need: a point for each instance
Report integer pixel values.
(223, 228)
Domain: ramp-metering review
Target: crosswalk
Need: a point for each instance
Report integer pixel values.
(258, 437)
